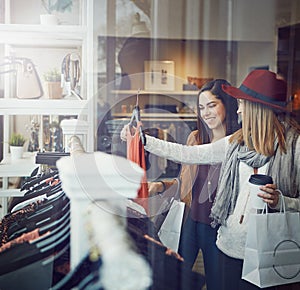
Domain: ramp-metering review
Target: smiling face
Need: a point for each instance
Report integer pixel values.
(212, 111)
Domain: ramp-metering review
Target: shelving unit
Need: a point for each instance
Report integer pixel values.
(128, 97)
(14, 168)
(46, 39)
(288, 61)
(178, 122)
(48, 36)
(159, 116)
(143, 92)
(43, 107)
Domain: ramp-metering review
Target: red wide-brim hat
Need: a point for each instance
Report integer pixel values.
(264, 87)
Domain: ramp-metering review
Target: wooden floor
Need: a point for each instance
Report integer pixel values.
(199, 266)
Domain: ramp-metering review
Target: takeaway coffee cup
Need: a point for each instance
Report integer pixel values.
(255, 181)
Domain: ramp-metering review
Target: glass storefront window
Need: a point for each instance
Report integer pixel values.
(203, 39)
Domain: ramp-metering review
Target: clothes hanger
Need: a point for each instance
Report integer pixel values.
(22, 254)
(49, 158)
(42, 188)
(32, 181)
(61, 222)
(52, 240)
(32, 186)
(136, 117)
(85, 272)
(44, 192)
(36, 221)
(38, 274)
(27, 253)
(57, 225)
(45, 213)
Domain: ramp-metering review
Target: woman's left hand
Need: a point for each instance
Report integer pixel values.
(124, 132)
(270, 195)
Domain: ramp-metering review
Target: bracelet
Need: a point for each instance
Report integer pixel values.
(164, 186)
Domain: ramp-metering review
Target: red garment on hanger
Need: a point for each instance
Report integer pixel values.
(136, 153)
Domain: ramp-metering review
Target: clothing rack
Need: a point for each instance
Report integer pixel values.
(49, 158)
(99, 185)
(80, 214)
(35, 236)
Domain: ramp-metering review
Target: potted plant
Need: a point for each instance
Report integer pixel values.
(16, 143)
(54, 5)
(53, 84)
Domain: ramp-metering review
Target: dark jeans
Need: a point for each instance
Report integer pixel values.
(231, 273)
(195, 236)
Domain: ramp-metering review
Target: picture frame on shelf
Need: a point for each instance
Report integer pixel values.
(159, 75)
(265, 67)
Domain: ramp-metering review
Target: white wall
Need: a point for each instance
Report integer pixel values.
(251, 23)
(28, 12)
(210, 19)
(254, 20)
(251, 54)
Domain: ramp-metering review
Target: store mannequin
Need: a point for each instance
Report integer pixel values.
(139, 28)
(135, 51)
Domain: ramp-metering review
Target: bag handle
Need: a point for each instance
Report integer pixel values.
(176, 196)
(282, 208)
(282, 204)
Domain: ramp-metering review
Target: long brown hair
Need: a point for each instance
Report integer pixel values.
(230, 104)
(260, 128)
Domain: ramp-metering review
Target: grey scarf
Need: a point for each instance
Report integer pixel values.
(228, 188)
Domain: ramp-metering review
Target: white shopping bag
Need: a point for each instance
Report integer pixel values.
(170, 230)
(272, 251)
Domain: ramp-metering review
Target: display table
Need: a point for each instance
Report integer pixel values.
(14, 168)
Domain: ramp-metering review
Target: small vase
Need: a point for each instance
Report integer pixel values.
(48, 19)
(16, 152)
(53, 90)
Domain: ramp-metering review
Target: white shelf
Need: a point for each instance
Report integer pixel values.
(40, 35)
(11, 192)
(151, 116)
(168, 93)
(19, 167)
(15, 168)
(43, 107)
(58, 38)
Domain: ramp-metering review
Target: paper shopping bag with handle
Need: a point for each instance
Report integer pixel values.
(272, 251)
(170, 229)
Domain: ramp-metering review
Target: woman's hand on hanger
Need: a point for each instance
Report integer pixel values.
(127, 130)
(124, 132)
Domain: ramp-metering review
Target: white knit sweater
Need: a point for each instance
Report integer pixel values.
(232, 237)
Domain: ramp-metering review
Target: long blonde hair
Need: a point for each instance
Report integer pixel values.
(260, 128)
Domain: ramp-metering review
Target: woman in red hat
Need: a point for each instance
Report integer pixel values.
(268, 143)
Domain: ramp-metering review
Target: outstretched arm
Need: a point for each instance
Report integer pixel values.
(200, 154)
